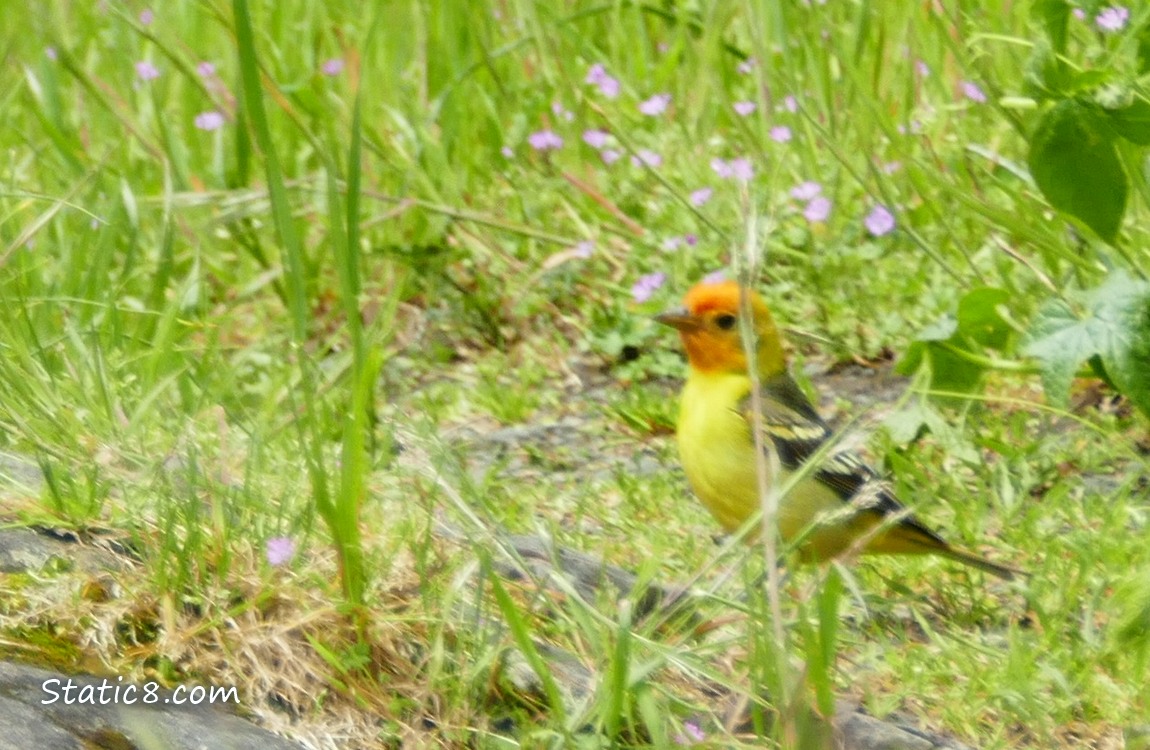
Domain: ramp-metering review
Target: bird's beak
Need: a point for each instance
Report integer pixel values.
(679, 318)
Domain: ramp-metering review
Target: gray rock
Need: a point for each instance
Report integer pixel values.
(37, 713)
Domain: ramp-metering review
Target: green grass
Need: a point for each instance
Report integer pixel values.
(347, 315)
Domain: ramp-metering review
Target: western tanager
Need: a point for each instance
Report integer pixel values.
(716, 442)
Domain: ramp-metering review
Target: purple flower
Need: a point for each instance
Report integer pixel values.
(146, 17)
(692, 733)
(672, 243)
(780, 134)
(146, 71)
(891, 167)
(584, 249)
(545, 140)
(1113, 18)
(972, 92)
(735, 169)
(879, 221)
(922, 68)
(507, 152)
(691, 239)
(1079, 13)
(656, 105)
(280, 549)
(818, 209)
(210, 120)
(206, 69)
(790, 103)
(714, 277)
(595, 138)
(742, 109)
(610, 155)
(648, 157)
(562, 112)
(597, 76)
(332, 67)
(699, 197)
(746, 66)
(50, 53)
(647, 285)
(805, 191)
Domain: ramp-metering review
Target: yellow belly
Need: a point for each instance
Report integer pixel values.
(717, 450)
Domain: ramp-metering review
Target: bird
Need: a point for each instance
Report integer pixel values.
(840, 504)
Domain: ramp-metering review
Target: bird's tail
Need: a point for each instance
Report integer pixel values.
(977, 561)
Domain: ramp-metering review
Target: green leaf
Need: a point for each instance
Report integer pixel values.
(980, 320)
(948, 371)
(1115, 327)
(1054, 16)
(1045, 76)
(1075, 164)
(1132, 122)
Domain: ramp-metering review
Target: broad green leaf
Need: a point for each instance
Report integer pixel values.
(1054, 16)
(1132, 122)
(979, 319)
(1045, 77)
(1115, 327)
(948, 371)
(1074, 163)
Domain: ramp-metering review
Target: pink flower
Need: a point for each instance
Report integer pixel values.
(879, 221)
(735, 169)
(656, 105)
(1112, 19)
(922, 68)
(672, 243)
(332, 67)
(780, 134)
(742, 109)
(562, 112)
(891, 167)
(741, 169)
(206, 69)
(584, 249)
(647, 285)
(146, 17)
(746, 66)
(818, 209)
(146, 71)
(280, 549)
(806, 191)
(210, 120)
(714, 277)
(597, 76)
(691, 239)
(545, 140)
(50, 53)
(1079, 14)
(691, 733)
(610, 155)
(972, 92)
(646, 156)
(595, 138)
(507, 152)
(699, 197)
(790, 103)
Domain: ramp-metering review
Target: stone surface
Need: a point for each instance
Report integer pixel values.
(29, 722)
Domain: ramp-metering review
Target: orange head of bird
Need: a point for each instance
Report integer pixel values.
(709, 324)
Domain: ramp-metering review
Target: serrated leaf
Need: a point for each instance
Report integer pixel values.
(1060, 341)
(1076, 166)
(1114, 328)
(979, 318)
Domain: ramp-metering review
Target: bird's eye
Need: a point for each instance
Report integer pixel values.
(726, 322)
